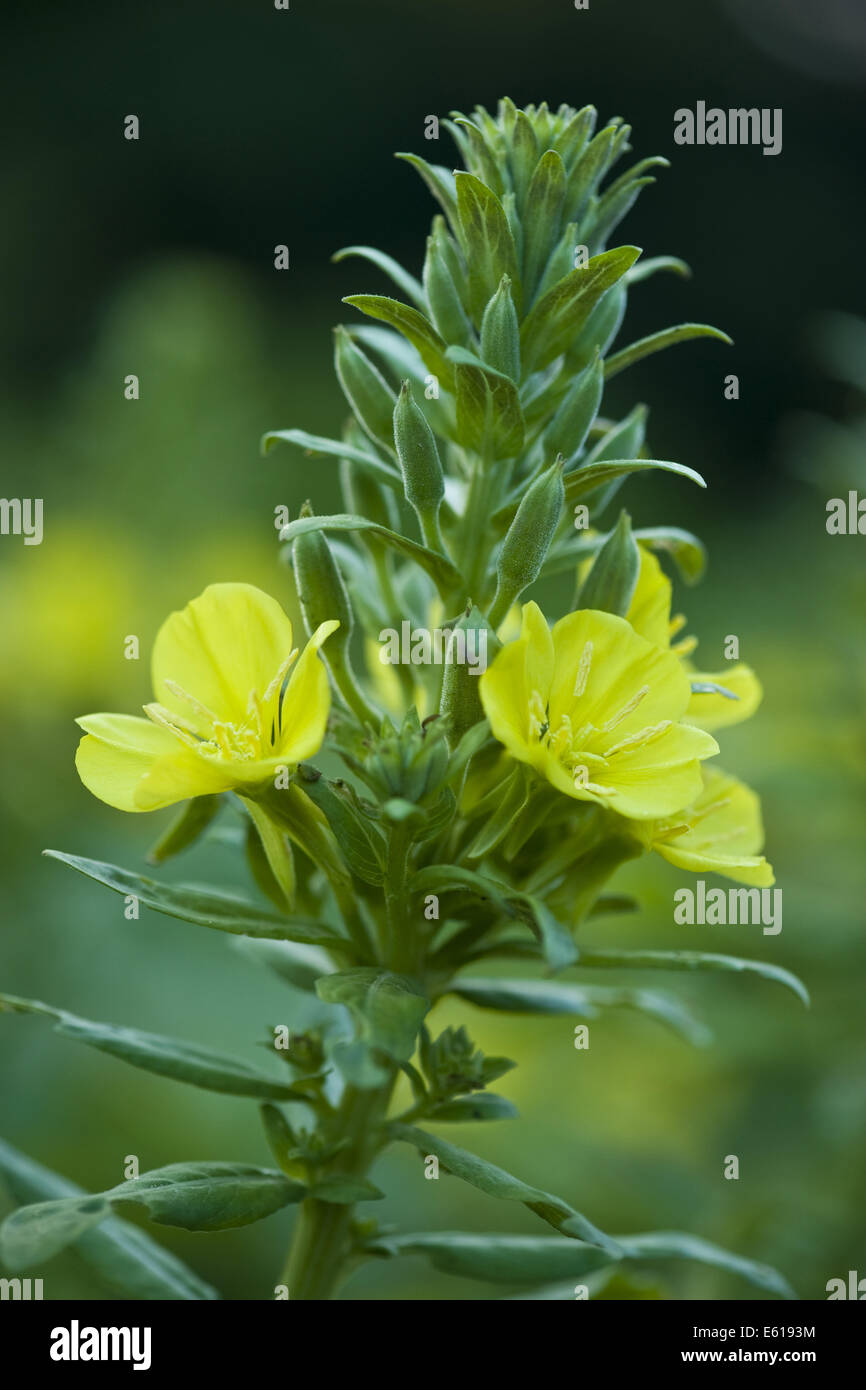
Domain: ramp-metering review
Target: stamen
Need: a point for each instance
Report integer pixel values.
(583, 669)
(194, 704)
(642, 737)
(626, 710)
(165, 720)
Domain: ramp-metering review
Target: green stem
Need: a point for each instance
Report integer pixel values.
(322, 1239)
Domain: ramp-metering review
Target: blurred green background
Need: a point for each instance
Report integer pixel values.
(156, 258)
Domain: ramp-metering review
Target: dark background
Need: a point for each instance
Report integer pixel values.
(261, 127)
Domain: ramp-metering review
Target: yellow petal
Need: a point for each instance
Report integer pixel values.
(229, 641)
(119, 755)
(650, 609)
(307, 701)
(723, 833)
(713, 711)
(630, 683)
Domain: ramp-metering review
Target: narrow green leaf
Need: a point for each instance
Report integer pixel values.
(557, 943)
(414, 326)
(293, 962)
(495, 1182)
(186, 828)
(360, 842)
(441, 571)
(645, 347)
(388, 1007)
(556, 320)
(171, 1057)
(337, 448)
(687, 551)
(487, 242)
(484, 1105)
(194, 1196)
(584, 480)
(204, 906)
(411, 287)
(644, 269)
(694, 960)
(541, 221)
(440, 181)
(489, 414)
(125, 1257)
(507, 1259)
(577, 1001)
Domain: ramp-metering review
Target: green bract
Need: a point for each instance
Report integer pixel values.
(483, 774)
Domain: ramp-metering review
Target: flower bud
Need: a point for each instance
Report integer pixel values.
(500, 333)
(473, 646)
(611, 582)
(446, 309)
(527, 540)
(320, 585)
(423, 482)
(570, 425)
(365, 389)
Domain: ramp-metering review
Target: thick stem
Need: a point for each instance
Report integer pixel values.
(321, 1242)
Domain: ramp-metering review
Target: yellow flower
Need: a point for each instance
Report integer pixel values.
(721, 832)
(650, 615)
(225, 716)
(596, 709)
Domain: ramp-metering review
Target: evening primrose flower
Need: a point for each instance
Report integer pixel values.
(234, 702)
(721, 832)
(596, 709)
(650, 615)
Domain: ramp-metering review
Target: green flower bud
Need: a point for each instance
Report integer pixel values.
(446, 309)
(500, 333)
(600, 328)
(365, 389)
(474, 645)
(611, 582)
(320, 585)
(527, 540)
(570, 425)
(423, 482)
(323, 596)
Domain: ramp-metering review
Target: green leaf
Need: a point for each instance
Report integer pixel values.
(495, 1182)
(171, 1057)
(644, 269)
(541, 220)
(525, 997)
(441, 570)
(585, 480)
(694, 960)
(577, 1001)
(295, 963)
(559, 948)
(127, 1258)
(644, 347)
(414, 326)
(194, 1196)
(389, 1008)
(362, 845)
(486, 240)
(687, 551)
(344, 1190)
(484, 1105)
(204, 906)
(187, 826)
(410, 286)
(555, 321)
(337, 448)
(488, 406)
(507, 1259)
(440, 181)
